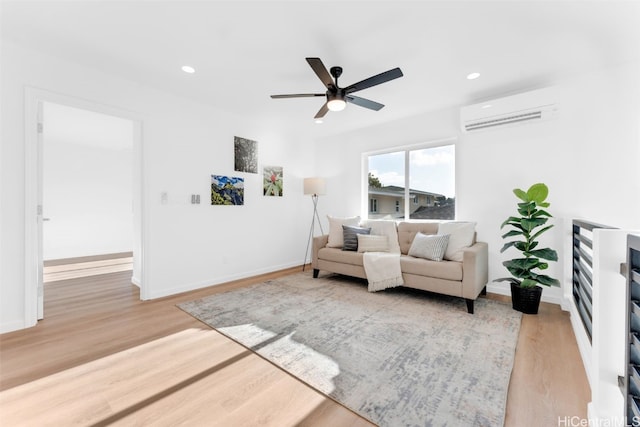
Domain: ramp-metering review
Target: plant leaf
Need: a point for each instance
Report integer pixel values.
(539, 232)
(508, 279)
(530, 224)
(523, 263)
(545, 253)
(507, 246)
(541, 212)
(512, 220)
(538, 192)
(520, 194)
(544, 204)
(547, 281)
(521, 246)
(512, 233)
(528, 283)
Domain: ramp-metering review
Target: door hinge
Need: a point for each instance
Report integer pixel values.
(39, 210)
(40, 127)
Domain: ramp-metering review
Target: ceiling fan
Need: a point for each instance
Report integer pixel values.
(337, 97)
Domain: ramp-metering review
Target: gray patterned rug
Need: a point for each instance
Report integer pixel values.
(398, 357)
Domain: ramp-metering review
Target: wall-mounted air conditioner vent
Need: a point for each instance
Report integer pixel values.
(527, 107)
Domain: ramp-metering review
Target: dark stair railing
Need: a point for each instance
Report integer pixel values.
(583, 270)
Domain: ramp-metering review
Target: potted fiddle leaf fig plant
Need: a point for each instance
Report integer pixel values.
(526, 268)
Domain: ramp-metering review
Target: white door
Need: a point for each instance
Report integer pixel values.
(34, 192)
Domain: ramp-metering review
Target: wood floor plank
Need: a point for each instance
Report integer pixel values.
(103, 356)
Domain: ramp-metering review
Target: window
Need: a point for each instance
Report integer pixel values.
(417, 183)
(373, 205)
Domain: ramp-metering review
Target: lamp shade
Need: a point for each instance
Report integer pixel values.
(314, 186)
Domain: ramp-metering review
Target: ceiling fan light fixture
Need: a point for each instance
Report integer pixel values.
(336, 104)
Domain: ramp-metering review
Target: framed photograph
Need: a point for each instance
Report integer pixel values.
(246, 155)
(272, 181)
(227, 190)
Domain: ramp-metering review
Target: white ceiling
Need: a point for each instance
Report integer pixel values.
(244, 51)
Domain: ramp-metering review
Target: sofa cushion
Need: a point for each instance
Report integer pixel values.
(429, 246)
(351, 237)
(448, 270)
(372, 243)
(336, 239)
(461, 235)
(338, 255)
(408, 230)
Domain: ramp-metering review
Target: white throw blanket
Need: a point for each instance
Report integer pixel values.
(383, 268)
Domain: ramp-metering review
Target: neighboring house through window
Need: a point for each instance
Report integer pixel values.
(414, 183)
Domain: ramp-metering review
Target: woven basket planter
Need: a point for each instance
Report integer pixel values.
(526, 300)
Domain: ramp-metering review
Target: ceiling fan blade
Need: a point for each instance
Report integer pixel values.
(298, 95)
(322, 111)
(375, 80)
(362, 102)
(321, 71)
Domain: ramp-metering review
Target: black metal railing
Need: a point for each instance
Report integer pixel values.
(583, 270)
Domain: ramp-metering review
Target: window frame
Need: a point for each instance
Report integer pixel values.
(407, 149)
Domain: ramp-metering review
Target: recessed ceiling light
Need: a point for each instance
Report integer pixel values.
(188, 69)
(473, 76)
(318, 121)
(486, 106)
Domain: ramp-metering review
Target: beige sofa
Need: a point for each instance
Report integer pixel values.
(466, 279)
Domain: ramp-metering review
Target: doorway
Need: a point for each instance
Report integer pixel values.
(84, 181)
(87, 163)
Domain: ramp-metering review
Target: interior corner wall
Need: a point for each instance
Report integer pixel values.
(588, 157)
(186, 246)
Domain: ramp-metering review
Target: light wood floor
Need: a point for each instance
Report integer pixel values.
(103, 357)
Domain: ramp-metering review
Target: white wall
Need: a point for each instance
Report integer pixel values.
(88, 183)
(185, 246)
(588, 157)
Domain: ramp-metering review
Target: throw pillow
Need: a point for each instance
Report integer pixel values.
(372, 243)
(335, 229)
(351, 237)
(430, 247)
(461, 236)
(384, 227)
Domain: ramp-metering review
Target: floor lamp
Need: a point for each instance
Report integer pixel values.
(314, 187)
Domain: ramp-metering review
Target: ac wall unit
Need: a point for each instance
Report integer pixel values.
(527, 107)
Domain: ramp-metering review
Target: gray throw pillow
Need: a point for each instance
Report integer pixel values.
(350, 235)
(430, 247)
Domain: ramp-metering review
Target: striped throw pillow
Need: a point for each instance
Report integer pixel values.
(430, 247)
(351, 237)
(373, 243)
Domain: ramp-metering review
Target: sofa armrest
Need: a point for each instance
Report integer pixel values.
(475, 269)
(319, 242)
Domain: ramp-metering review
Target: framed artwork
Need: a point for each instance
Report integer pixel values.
(227, 190)
(272, 181)
(246, 155)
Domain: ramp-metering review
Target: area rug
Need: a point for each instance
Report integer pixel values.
(398, 357)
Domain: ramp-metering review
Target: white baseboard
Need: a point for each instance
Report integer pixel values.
(220, 280)
(135, 281)
(12, 326)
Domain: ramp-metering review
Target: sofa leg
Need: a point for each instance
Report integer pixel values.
(484, 291)
(469, 305)
(315, 273)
